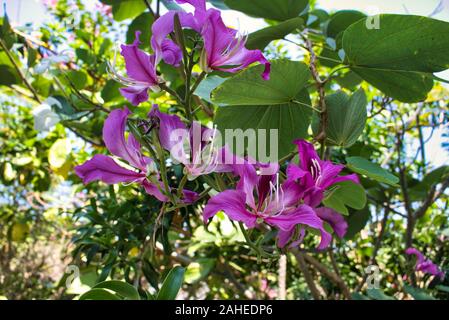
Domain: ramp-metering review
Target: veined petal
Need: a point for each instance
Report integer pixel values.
(303, 215)
(114, 138)
(105, 169)
(198, 4)
(232, 203)
(163, 26)
(153, 190)
(140, 66)
(135, 94)
(336, 220)
(306, 152)
(172, 131)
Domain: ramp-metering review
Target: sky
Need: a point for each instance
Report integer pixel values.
(32, 11)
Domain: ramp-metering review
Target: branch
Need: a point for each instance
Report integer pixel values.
(307, 276)
(330, 275)
(433, 196)
(19, 71)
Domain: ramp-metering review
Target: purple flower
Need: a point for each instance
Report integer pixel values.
(142, 169)
(164, 48)
(194, 147)
(141, 70)
(314, 175)
(260, 199)
(425, 265)
(223, 49)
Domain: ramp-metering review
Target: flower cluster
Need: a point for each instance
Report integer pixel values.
(223, 50)
(425, 265)
(290, 206)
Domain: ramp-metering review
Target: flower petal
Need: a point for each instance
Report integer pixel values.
(105, 169)
(114, 138)
(140, 66)
(135, 94)
(232, 203)
(336, 220)
(303, 215)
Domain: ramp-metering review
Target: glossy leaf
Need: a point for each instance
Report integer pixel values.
(269, 9)
(290, 119)
(345, 194)
(261, 38)
(371, 170)
(172, 284)
(121, 288)
(287, 79)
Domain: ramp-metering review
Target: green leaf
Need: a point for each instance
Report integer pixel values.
(219, 4)
(172, 284)
(341, 20)
(111, 91)
(199, 270)
(417, 294)
(206, 87)
(356, 222)
(291, 120)
(371, 170)
(443, 288)
(261, 38)
(78, 79)
(126, 9)
(143, 24)
(345, 194)
(269, 9)
(400, 55)
(9, 76)
(287, 79)
(377, 294)
(346, 118)
(99, 294)
(405, 86)
(121, 288)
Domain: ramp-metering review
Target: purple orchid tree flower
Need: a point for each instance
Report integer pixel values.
(314, 175)
(141, 169)
(141, 70)
(425, 265)
(223, 49)
(194, 147)
(261, 199)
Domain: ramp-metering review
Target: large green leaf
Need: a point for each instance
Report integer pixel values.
(345, 194)
(341, 20)
(346, 118)
(126, 9)
(290, 119)
(371, 170)
(378, 294)
(356, 222)
(287, 79)
(269, 9)
(399, 57)
(261, 38)
(172, 284)
(143, 24)
(405, 86)
(121, 288)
